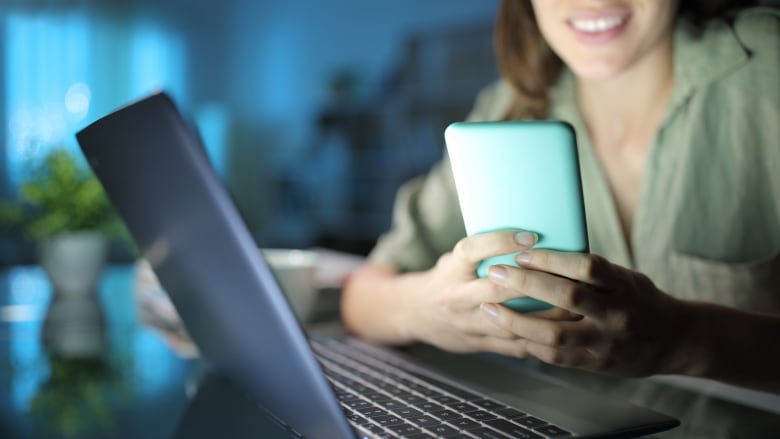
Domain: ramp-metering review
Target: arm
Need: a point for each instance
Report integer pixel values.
(733, 346)
(374, 303)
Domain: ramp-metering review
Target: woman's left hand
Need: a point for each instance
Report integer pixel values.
(628, 326)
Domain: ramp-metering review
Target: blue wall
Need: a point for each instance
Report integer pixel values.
(254, 74)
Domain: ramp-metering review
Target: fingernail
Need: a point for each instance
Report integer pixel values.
(497, 273)
(526, 239)
(523, 258)
(491, 309)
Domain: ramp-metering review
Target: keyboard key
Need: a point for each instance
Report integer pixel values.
(509, 413)
(394, 405)
(443, 430)
(429, 407)
(379, 433)
(446, 400)
(404, 429)
(423, 421)
(373, 411)
(347, 397)
(394, 390)
(463, 407)
(411, 399)
(388, 420)
(407, 412)
(464, 424)
(447, 415)
(481, 415)
(530, 422)
(355, 418)
(373, 428)
(512, 429)
(427, 392)
(553, 431)
(488, 404)
(357, 404)
(377, 397)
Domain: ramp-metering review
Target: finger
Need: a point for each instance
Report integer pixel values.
(542, 331)
(510, 347)
(565, 357)
(556, 314)
(487, 343)
(564, 293)
(477, 324)
(584, 267)
(471, 250)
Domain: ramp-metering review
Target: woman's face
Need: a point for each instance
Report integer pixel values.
(599, 39)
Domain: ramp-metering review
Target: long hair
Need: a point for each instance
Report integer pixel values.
(530, 66)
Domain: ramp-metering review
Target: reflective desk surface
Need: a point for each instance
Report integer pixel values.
(126, 381)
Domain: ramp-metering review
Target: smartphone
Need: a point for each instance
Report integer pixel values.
(519, 175)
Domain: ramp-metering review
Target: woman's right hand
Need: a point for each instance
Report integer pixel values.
(445, 310)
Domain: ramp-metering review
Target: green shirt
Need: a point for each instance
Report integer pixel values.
(707, 225)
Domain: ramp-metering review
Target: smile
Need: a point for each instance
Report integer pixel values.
(598, 24)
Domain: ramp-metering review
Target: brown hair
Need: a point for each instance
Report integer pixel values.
(527, 62)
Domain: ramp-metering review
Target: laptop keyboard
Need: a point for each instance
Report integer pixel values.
(385, 398)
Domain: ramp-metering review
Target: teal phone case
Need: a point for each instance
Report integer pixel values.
(519, 175)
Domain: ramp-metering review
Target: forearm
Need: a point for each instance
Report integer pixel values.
(733, 346)
(376, 304)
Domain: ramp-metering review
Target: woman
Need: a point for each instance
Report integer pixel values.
(676, 107)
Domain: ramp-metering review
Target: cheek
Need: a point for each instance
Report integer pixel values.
(548, 20)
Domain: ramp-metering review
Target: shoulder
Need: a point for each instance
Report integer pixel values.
(737, 55)
(758, 30)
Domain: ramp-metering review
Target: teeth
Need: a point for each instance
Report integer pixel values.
(597, 25)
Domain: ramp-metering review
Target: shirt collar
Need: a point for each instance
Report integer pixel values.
(704, 54)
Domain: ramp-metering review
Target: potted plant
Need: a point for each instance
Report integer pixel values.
(62, 207)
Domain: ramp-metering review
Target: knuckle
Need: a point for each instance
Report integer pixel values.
(644, 282)
(461, 248)
(447, 301)
(541, 258)
(498, 293)
(444, 259)
(621, 322)
(592, 266)
(573, 295)
(520, 279)
(557, 337)
(516, 326)
(557, 357)
(587, 266)
(519, 349)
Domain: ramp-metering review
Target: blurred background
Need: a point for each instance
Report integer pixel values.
(313, 112)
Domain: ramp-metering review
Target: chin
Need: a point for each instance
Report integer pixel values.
(597, 71)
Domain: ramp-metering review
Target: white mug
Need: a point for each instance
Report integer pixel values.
(295, 271)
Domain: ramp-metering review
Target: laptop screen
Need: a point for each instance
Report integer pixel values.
(185, 224)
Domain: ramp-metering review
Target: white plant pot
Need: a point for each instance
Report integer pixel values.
(74, 325)
(74, 261)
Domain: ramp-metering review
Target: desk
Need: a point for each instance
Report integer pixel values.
(136, 388)
(139, 388)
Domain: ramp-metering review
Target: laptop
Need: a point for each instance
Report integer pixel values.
(158, 177)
